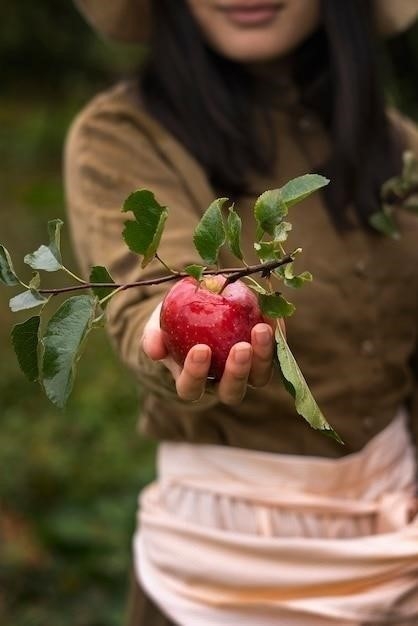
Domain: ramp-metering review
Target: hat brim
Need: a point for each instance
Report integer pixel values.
(129, 20)
(395, 16)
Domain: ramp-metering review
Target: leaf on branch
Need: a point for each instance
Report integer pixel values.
(7, 273)
(399, 191)
(99, 274)
(43, 259)
(296, 385)
(410, 167)
(301, 187)
(25, 338)
(54, 232)
(27, 300)
(384, 222)
(281, 231)
(48, 258)
(274, 305)
(233, 233)
(298, 281)
(63, 341)
(269, 211)
(196, 271)
(411, 204)
(267, 250)
(292, 280)
(273, 205)
(254, 285)
(210, 233)
(35, 283)
(144, 235)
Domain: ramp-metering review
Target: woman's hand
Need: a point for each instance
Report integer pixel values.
(247, 363)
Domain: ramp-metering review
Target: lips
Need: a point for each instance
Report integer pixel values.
(251, 14)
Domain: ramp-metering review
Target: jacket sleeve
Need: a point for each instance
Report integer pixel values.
(110, 152)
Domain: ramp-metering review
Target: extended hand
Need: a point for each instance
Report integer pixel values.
(247, 363)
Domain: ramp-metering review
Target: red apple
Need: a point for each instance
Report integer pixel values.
(196, 312)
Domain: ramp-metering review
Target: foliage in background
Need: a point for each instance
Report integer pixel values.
(48, 45)
(402, 70)
(70, 479)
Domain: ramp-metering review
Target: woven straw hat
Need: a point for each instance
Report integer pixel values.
(129, 20)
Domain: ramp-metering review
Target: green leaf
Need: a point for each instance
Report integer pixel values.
(43, 259)
(210, 233)
(152, 250)
(196, 271)
(399, 191)
(410, 167)
(99, 274)
(281, 231)
(298, 281)
(273, 205)
(274, 305)
(411, 204)
(27, 300)
(384, 222)
(144, 235)
(35, 283)
(25, 338)
(296, 385)
(48, 258)
(301, 187)
(63, 341)
(7, 273)
(233, 233)
(292, 280)
(267, 250)
(254, 285)
(269, 211)
(54, 232)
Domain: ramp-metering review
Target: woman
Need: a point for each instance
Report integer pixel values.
(257, 519)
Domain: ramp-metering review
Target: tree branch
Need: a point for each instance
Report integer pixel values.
(233, 273)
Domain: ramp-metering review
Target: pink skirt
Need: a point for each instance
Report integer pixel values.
(228, 536)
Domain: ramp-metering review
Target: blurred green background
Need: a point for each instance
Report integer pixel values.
(69, 480)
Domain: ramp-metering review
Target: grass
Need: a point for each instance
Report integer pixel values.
(70, 479)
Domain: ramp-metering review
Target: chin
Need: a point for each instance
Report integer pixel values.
(252, 49)
(248, 54)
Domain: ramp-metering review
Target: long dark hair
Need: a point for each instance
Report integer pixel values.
(208, 103)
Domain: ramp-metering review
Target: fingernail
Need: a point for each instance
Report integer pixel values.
(242, 354)
(263, 336)
(200, 355)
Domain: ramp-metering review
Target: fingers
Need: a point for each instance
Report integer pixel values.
(246, 364)
(191, 381)
(262, 363)
(273, 323)
(153, 344)
(152, 339)
(244, 361)
(233, 384)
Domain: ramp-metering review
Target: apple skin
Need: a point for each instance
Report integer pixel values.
(194, 312)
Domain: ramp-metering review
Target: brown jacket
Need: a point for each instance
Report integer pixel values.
(354, 333)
